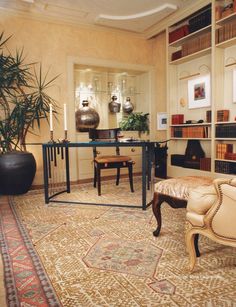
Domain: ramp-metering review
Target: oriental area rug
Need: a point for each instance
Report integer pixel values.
(80, 255)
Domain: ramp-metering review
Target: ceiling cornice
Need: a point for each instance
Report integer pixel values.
(139, 15)
(175, 17)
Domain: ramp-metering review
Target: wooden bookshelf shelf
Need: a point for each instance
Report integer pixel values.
(225, 139)
(184, 139)
(191, 125)
(180, 41)
(226, 19)
(192, 56)
(223, 123)
(228, 43)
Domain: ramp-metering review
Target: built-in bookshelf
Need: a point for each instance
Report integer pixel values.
(201, 44)
(191, 37)
(194, 131)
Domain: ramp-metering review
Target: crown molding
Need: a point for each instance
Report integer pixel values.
(174, 18)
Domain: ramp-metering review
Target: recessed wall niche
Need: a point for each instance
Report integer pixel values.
(99, 84)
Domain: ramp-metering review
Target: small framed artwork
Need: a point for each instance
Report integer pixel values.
(199, 92)
(161, 121)
(234, 86)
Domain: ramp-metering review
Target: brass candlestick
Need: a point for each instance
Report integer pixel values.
(51, 137)
(65, 140)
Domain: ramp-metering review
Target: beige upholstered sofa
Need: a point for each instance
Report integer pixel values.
(211, 211)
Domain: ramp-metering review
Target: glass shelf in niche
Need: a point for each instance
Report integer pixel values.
(127, 93)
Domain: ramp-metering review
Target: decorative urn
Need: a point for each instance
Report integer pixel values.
(114, 105)
(128, 107)
(86, 117)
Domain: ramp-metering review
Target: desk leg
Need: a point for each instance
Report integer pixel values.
(45, 174)
(67, 170)
(144, 169)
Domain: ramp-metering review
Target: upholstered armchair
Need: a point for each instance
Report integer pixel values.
(211, 211)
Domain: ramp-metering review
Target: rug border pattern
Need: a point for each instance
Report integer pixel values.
(42, 278)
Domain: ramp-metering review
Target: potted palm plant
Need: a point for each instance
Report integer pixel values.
(23, 103)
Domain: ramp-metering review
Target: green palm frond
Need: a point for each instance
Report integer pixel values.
(24, 101)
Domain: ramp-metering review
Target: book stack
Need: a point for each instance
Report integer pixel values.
(208, 116)
(222, 115)
(196, 44)
(225, 167)
(205, 164)
(176, 55)
(222, 150)
(226, 32)
(178, 33)
(230, 156)
(200, 20)
(176, 132)
(190, 132)
(177, 119)
(226, 131)
(222, 167)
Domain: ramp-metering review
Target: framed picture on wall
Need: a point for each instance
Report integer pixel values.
(234, 85)
(161, 121)
(199, 91)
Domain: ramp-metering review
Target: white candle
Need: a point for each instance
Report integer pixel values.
(65, 117)
(50, 117)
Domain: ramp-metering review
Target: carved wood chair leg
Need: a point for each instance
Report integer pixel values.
(156, 208)
(118, 176)
(131, 178)
(190, 238)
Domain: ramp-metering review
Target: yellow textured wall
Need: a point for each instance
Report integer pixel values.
(159, 60)
(52, 44)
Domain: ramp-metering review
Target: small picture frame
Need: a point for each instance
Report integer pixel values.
(162, 121)
(199, 92)
(234, 86)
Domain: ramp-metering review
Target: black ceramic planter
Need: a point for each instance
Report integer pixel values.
(17, 171)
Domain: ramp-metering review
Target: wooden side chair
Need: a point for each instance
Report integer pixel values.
(107, 162)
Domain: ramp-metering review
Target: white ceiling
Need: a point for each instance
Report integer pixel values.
(132, 15)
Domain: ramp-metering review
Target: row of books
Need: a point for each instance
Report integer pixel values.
(225, 167)
(222, 115)
(200, 20)
(205, 164)
(222, 149)
(230, 156)
(226, 131)
(190, 132)
(196, 44)
(226, 32)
